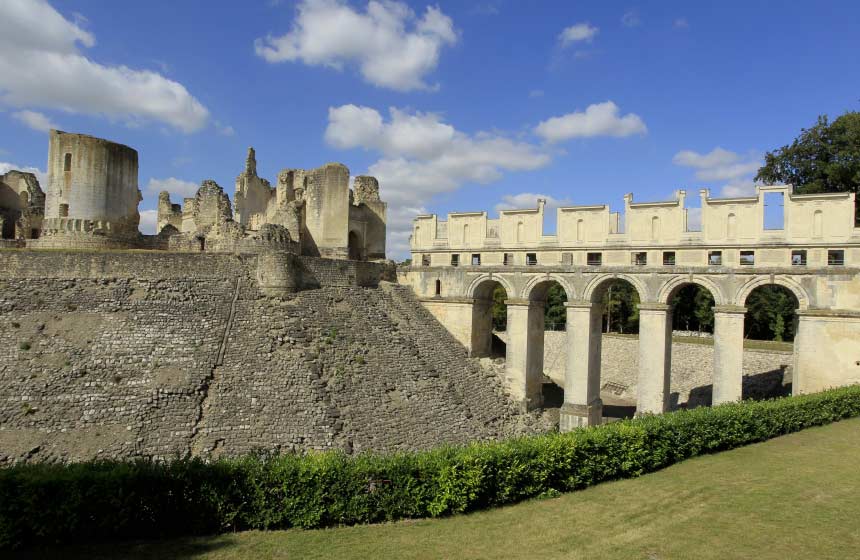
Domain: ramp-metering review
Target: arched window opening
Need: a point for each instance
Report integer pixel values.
(731, 227)
(67, 162)
(655, 228)
(818, 224)
(489, 320)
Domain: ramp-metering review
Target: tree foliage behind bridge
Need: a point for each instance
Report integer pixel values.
(823, 158)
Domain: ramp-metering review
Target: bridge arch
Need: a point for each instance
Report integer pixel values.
(474, 289)
(592, 289)
(786, 282)
(669, 288)
(530, 289)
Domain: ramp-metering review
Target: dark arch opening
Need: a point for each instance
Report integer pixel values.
(692, 309)
(771, 314)
(355, 246)
(692, 316)
(489, 320)
(553, 340)
(438, 290)
(201, 242)
(619, 302)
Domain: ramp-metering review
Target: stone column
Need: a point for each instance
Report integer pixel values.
(728, 353)
(582, 405)
(524, 355)
(655, 358)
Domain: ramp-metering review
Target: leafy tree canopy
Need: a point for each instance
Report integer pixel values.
(824, 158)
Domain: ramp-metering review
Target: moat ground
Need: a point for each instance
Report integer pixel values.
(792, 497)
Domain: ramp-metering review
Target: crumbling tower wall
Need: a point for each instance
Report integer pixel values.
(92, 185)
(327, 211)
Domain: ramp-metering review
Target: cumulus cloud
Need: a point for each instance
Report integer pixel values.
(176, 187)
(148, 222)
(600, 119)
(631, 19)
(529, 200)
(42, 66)
(42, 176)
(578, 32)
(721, 165)
(390, 45)
(35, 120)
(223, 129)
(422, 156)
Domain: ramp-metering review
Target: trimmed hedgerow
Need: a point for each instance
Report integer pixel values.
(111, 500)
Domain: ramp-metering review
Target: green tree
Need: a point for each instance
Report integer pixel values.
(500, 310)
(621, 308)
(824, 158)
(555, 314)
(770, 314)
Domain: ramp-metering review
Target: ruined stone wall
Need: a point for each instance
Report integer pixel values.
(124, 354)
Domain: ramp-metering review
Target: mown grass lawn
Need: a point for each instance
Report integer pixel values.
(797, 496)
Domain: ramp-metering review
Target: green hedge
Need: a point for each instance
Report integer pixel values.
(111, 500)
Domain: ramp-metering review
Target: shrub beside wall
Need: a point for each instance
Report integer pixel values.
(108, 500)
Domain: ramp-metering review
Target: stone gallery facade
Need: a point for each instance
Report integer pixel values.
(811, 247)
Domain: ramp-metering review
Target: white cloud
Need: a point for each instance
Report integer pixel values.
(41, 66)
(529, 200)
(176, 187)
(422, 156)
(224, 130)
(148, 222)
(42, 176)
(681, 23)
(578, 32)
(390, 45)
(600, 119)
(35, 120)
(720, 165)
(630, 19)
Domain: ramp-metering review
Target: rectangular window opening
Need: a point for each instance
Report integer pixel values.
(668, 258)
(835, 257)
(476, 259)
(715, 258)
(67, 162)
(798, 258)
(455, 260)
(774, 211)
(640, 258)
(747, 258)
(594, 259)
(425, 260)
(531, 259)
(508, 259)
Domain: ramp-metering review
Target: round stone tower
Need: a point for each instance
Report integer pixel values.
(92, 186)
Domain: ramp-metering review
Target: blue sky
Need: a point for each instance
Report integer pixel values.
(453, 105)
